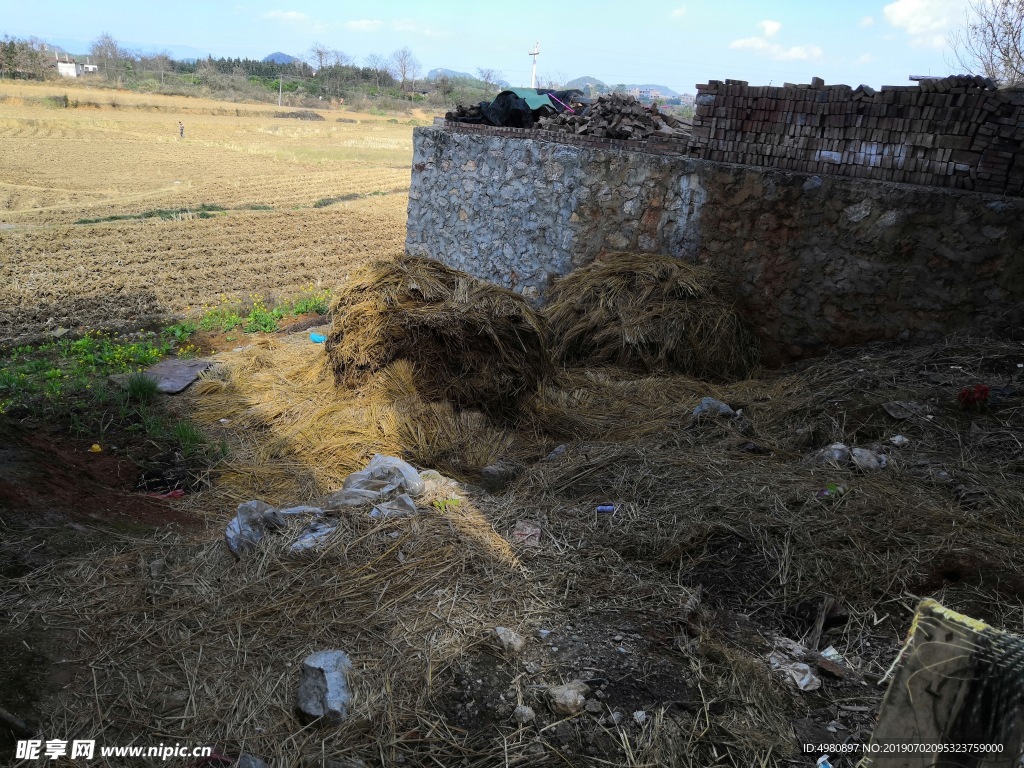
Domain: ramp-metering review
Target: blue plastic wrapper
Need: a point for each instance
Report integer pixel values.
(317, 338)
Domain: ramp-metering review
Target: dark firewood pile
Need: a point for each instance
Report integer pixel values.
(616, 116)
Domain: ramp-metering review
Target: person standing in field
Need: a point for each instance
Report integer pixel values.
(181, 129)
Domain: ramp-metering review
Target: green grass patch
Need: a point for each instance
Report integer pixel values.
(141, 388)
(71, 367)
(323, 202)
(203, 211)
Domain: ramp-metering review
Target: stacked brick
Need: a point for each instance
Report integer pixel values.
(955, 132)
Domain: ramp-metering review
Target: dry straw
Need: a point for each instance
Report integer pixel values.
(650, 314)
(472, 343)
(183, 643)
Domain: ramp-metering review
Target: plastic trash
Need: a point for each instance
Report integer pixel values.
(255, 519)
(400, 506)
(606, 509)
(832, 490)
(312, 535)
(317, 338)
(383, 476)
(95, 448)
(709, 406)
(899, 441)
(837, 453)
(251, 522)
(867, 460)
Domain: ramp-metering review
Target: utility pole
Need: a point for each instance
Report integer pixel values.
(280, 88)
(535, 53)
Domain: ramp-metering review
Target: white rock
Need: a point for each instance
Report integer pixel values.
(568, 699)
(524, 714)
(323, 686)
(510, 640)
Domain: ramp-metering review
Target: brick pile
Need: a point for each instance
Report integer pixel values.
(955, 132)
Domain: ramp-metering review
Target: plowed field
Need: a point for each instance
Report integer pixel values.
(118, 155)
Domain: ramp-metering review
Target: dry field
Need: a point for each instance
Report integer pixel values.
(119, 154)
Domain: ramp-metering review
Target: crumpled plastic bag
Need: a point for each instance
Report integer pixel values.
(383, 476)
(400, 506)
(255, 519)
(312, 534)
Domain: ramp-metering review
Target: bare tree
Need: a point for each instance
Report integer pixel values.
(109, 55)
(380, 67)
(991, 41)
(319, 55)
(342, 59)
(407, 67)
(489, 76)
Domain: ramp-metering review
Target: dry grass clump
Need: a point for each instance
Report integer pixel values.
(650, 314)
(471, 343)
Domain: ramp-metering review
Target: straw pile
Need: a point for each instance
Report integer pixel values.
(648, 314)
(471, 343)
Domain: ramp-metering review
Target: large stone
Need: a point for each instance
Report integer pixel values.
(568, 699)
(496, 477)
(172, 375)
(324, 694)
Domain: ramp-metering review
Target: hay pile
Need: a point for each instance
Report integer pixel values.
(650, 314)
(471, 343)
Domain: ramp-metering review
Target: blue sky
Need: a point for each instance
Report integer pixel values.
(676, 43)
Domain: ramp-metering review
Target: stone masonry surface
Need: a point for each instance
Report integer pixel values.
(818, 260)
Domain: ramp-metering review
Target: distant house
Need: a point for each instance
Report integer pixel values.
(71, 68)
(645, 94)
(686, 99)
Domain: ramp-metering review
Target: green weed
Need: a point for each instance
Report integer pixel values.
(141, 388)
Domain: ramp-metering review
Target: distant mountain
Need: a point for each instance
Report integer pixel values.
(599, 87)
(584, 83)
(452, 74)
(280, 58)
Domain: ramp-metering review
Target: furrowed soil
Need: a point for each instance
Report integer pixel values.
(231, 208)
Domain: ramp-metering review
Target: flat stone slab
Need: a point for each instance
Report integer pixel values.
(172, 375)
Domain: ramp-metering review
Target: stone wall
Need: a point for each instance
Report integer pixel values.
(952, 132)
(818, 261)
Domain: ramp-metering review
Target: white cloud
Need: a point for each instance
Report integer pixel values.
(927, 22)
(364, 25)
(408, 25)
(867, 21)
(290, 17)
(679, 12)
(776, 51)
